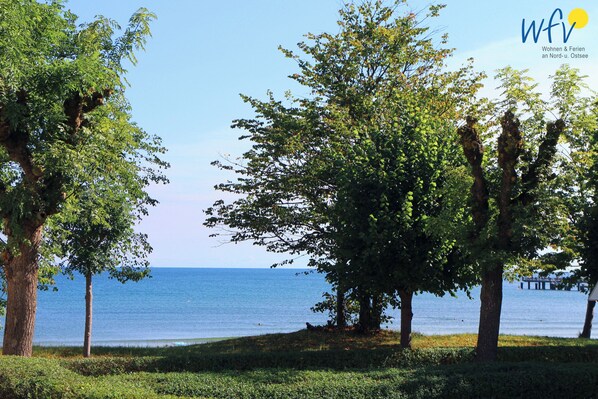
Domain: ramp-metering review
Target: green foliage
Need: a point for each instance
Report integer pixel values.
(328, 305)
(542, 189)
(350, 175)
(72, 161)
(503, 380)
(62, 90)
(71, 158)
(556, 232)
(336, 359)
(518, 198)
(96, 233)
(378, 372)
(46, 379)
(580, 179)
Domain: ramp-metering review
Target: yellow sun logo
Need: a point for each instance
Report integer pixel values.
(579, 17)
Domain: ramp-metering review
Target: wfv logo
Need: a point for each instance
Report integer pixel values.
(578, 18)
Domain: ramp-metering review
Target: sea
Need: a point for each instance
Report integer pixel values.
(180, 306)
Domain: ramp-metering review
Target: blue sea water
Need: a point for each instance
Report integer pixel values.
(178, 305)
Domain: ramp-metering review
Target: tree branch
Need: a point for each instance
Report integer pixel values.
(539, 168)
(510, 144)
(474, 152)
(77, 106)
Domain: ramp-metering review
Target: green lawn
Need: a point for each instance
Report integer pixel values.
(311, 364)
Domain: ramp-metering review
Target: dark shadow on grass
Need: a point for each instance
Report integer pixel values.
(505, 380)
(358, 359)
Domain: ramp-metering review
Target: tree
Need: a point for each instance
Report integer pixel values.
(516, 211)
(62, 109)
(588, 270)
(349, 175)
(389, 185)
(97, 234)
(581, 194)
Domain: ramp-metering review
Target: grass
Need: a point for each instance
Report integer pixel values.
(310, 364)
(304, 340)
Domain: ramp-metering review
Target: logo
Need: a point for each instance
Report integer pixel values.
(577, 19)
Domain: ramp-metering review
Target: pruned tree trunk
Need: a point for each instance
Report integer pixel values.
(341, 317)
(88, 316)
(406, 317)
(473, 148)
(587, 325)
(21, 280)
(490, 308)
(510, 143)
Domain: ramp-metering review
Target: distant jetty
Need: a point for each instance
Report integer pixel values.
(550, 283)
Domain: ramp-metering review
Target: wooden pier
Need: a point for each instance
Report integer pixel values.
(551, 283)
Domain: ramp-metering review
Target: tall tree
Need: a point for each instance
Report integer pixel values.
(349, 174)
(58, 79)
(588, 268)
(514, 207)
(581, 182)
(389, 185)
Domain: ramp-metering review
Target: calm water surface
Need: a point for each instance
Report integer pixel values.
(177, 305)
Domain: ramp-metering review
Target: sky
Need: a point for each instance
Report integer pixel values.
(203, 54)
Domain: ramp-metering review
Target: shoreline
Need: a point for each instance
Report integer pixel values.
(137, 343)
(166, 343)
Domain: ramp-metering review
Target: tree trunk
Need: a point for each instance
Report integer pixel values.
(341, 318)
(587, 325)
(491, 302)
(365, 313)
(21, 299)
(376, 318)
(88, 316)
(406, 317)
(510, 143)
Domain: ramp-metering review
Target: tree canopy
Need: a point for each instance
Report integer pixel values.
(349, 174)
(517, 202)
(64, 121)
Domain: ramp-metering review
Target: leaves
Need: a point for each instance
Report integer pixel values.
(71, 158)
(350, 175)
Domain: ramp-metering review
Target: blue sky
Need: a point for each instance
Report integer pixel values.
(203, 54)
